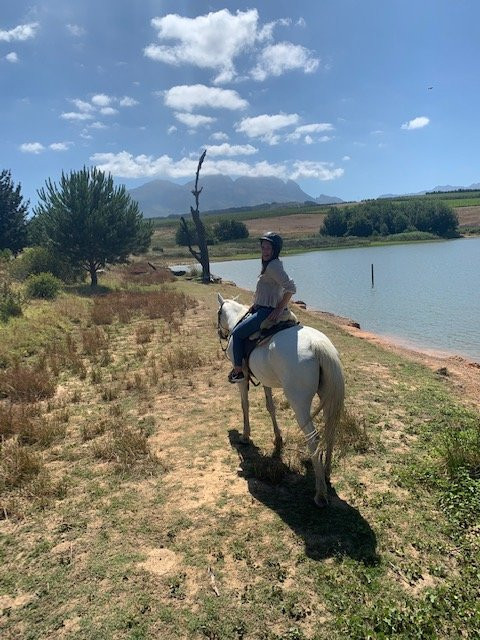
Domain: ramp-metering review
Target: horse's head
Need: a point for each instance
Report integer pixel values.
(229, 311)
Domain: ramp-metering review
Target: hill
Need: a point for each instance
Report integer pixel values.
(161, 198)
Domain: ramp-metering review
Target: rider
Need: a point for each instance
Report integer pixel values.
(273, 292)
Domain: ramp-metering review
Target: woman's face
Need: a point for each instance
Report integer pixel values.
(267, 250)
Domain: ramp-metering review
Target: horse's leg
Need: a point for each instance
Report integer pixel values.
(330, 427)
(301, 408)
(271, 410)
(243, 388)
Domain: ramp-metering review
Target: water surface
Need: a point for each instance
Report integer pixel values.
(424, 295)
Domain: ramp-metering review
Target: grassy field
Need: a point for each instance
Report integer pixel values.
(300, 225)
(129, 509)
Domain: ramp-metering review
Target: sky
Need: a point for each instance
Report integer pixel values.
(348, 98)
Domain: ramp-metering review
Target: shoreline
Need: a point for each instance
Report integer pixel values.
(460, 372)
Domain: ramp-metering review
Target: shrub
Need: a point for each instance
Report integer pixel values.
(43, 285)
(36, 260)
(24, 384)
(230, 230)
(10, 303)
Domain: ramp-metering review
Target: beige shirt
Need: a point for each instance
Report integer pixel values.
(272, 284)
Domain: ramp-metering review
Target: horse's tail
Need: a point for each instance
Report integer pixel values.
(331, 387)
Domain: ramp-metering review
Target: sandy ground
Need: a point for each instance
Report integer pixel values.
(463, 374)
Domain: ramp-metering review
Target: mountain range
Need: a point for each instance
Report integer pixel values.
(161, 198)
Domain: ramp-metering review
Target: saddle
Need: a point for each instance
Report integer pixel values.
(268, 328)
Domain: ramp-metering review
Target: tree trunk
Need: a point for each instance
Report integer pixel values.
(92, 269)
(201, 257)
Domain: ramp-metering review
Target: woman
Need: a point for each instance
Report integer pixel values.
(273, 292)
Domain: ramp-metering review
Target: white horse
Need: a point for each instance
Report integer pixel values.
(303, 362)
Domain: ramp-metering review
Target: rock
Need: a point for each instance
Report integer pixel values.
(443, 371)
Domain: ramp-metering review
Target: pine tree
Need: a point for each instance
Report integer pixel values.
(90, 222)
(13, 212)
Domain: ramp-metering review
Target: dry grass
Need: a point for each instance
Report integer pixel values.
(144, 333)
(124, 446)
(145, 273)
(18, 465)
(27, 384)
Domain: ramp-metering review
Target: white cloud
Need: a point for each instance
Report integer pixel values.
(11, 57)
(108, 111)
(126, 101)
(97, 125)
(265, 126)
(211, 41)
(305, 131)
(276, 59)
(125, 165)
(22, 32)
(32, 147)
(76, 30)
(301, 22)
(60, 146)
(219, 136)
(73, 115)
(190, 97)
(193, 120)
(231, 150)
(101, 100)
(416, 123)
(172, 130)
(84, 107)
(346, 158)
(321, 170)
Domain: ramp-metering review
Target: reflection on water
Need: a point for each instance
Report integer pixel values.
(424, 295)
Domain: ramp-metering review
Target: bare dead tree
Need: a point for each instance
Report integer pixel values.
(202, 254)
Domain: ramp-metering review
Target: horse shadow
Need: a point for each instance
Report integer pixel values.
(334, 531)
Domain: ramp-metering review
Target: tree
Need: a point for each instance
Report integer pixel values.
(226, 230)
(200, 256)
(91, 222)
(183, 238)
(13, 211)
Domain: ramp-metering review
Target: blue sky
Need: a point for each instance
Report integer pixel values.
(351, 98)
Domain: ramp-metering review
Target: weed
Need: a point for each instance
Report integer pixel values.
(144, 333)
(18, 465)
(94, 341)
(351, 435)
(26, 384)
(124, 446)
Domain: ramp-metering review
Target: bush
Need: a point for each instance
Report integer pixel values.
(181, 237)
(43, 285)
(230, 230)
(10, 303)
(36, 260)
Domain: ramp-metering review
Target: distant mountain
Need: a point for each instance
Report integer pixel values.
(446, 187)
(160, 198)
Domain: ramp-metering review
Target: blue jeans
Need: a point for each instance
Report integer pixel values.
(249, 325)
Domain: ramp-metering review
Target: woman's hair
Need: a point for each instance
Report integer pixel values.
(277, 243)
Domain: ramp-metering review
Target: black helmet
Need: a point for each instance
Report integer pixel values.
(275, 240)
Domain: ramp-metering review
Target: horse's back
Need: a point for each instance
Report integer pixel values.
(290, 357)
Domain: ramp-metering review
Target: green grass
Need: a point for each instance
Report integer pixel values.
(154, 522)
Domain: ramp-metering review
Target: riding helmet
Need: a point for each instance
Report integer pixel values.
(276, 240)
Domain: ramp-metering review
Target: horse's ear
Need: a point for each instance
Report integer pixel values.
(220, 299)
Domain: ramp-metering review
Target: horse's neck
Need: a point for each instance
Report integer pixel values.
(234, 312)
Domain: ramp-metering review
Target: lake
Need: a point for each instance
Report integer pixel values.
(426, 296)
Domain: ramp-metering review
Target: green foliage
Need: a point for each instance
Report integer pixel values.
(230, 230)
(387, 217)
(10, 303)
(42, 285)
(35, 260)
(13, 211)
(90, 222)
(181, 237)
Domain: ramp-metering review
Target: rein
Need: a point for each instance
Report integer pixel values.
(224, 334)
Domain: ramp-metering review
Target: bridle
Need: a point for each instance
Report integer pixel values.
(223, 334)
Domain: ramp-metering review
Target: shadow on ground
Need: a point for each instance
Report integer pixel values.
(336, 530)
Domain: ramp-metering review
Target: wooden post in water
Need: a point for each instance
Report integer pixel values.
(373, 278)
